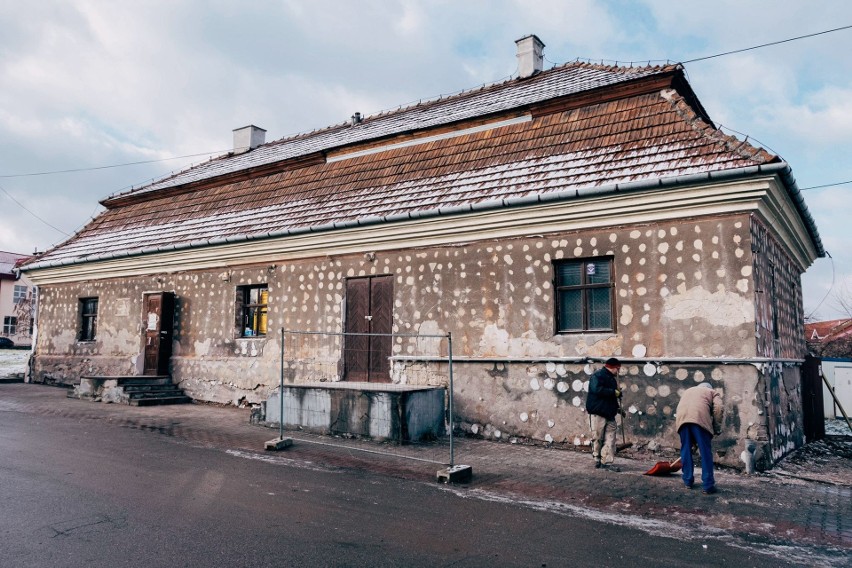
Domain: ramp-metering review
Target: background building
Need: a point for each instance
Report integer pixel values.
(17, 300)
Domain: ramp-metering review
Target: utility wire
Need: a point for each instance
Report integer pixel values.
(767, 44)
(110, 166)
(76, 170)
(2, 176)
(828, 293)
(21, 205)
(826, 185)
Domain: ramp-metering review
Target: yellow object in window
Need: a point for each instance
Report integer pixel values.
(261, 326)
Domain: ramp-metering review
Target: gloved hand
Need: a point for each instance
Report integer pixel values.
(617, 393)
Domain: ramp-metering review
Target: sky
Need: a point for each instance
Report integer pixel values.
(116, 94)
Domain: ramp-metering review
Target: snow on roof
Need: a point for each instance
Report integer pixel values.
(568, 79)
(8, 261)
(633, 137)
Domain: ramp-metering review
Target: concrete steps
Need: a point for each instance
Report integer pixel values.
(132, 390)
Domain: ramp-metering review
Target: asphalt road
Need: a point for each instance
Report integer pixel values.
(85, 493)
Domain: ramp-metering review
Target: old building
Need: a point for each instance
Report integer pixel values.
(17, 300)
(546, 222)
(832, 338)
(831, 342)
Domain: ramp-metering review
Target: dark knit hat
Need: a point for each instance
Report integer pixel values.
(613, 362)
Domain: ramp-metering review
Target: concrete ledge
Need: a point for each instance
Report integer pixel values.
(456, 474)
(399, 413)
(278, 444)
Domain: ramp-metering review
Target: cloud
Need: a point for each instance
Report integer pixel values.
(824, 118)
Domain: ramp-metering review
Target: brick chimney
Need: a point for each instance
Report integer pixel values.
(530, 56)
(248, 138)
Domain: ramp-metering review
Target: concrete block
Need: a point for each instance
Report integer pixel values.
(278, 444)
(377, 411)
(455, 474)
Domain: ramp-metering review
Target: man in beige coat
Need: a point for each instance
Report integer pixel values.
(699, 417)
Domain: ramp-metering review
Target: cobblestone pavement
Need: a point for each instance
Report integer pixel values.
(801, 511)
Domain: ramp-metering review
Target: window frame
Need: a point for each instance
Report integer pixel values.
(19, 293)
(88, 319)
(252, 315)
(10, 325)
(584, 287)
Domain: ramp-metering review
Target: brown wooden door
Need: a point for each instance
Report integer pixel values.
(159, 309)
(369, 310)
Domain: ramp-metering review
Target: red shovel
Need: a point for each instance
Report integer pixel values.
(664, 468)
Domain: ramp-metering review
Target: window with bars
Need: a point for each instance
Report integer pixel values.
(585, 293)
(252, 310)
(10, 325)
(88, 319)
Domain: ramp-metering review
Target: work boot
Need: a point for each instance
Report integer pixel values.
(597, 464)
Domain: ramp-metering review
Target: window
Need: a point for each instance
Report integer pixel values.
(19, 294)
(584, 295)
(252, 310)
(88, 319)
(776, 333)
(10, 325)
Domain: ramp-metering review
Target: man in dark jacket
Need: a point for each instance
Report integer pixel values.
(602, 406)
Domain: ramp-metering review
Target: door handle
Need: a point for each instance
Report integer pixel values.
(368, 318)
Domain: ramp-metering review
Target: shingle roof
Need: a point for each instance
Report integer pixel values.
(824, 331)
(566, 80)
(641, 137)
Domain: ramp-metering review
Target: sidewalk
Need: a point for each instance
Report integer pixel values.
(800, 512)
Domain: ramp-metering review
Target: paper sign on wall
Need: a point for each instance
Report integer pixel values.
(153, 319)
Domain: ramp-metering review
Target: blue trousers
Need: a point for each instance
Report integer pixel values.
(694, 434)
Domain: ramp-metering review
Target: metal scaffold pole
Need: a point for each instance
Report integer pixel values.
(281, 392)
(280, 442)
(454, 473)
(450, 403)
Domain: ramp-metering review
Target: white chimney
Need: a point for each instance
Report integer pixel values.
(530, 56)
(248, 138)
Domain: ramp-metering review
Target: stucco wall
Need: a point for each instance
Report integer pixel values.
(683, 289)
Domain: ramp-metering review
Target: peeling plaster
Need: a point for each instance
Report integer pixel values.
(720, 308)
(202, 348)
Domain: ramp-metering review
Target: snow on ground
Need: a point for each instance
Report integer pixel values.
(13, 362)
(837, 428)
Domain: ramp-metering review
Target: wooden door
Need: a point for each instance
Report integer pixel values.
(369, 310)
(159, 309)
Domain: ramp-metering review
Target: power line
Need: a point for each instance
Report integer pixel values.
(766, 44)
(110, 166)
(21, 205)
(826, 185)
(830, 288)
(75, 170)
(669, 61)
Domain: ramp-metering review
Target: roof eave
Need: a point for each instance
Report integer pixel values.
(781, 169)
